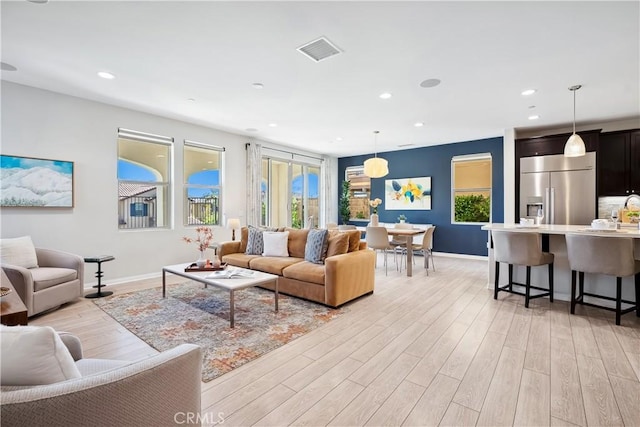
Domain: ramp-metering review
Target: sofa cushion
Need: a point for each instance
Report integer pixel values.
(306, 271)
(19, 251)
(273, 265)
(337, 244)
(297, 241)
(46, 277)
(255, 244)
(354, 239)
(244, 238)
(275, 243)
(238, 259)
(315, 250)
(34, 355)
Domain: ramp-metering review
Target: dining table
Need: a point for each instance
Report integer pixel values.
(408, 234)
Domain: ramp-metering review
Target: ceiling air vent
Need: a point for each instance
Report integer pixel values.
(319, 49)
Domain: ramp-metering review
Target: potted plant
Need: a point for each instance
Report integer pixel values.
(401, 219)
(345, 210)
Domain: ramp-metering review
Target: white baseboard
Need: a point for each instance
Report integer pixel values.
(463, 256)
(123, 280)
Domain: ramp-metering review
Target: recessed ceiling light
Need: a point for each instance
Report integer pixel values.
(210, 162)
(251, 130)
(385, 95)
(430, 83)
(106, 75)
(159, 156)
(418, 124)
(257, 85)
(7, 67)
(528, 92)
(338, 138)
(534, 117)
(191, 99)
(531, 107)
(273, 125)
(38, 1)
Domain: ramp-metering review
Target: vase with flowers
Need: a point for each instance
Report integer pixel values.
(203, 239)
(374, 216)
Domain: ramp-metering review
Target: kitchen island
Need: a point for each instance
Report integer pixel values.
(553, 241)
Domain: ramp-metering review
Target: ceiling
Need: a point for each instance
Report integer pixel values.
(485, 53)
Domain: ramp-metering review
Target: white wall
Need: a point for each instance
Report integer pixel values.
(37, 123)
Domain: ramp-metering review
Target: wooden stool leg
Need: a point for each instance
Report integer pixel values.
(527, 289)
(497, 281)
(551, 282)
(637, 280)
(581, 286)
(573, 292)
(618, 299)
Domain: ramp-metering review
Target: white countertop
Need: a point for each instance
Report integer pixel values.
(564, 229)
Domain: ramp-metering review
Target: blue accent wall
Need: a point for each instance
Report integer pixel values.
(435, 161)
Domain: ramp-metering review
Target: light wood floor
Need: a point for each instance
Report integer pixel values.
(426, 350)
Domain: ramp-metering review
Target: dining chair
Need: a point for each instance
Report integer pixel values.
(378, 239)
(426, 247)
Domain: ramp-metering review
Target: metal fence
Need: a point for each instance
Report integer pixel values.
(203, 211)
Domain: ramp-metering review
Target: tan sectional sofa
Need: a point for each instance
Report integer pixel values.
(347, 272)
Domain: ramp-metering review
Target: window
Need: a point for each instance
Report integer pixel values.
(144, 165)
(290, 193)
(359, 192)
(202, 183)
(471, 188)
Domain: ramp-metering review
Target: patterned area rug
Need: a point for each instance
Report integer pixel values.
(192, 314)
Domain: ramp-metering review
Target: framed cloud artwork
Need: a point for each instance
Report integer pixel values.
(32, 182)
(408, 193)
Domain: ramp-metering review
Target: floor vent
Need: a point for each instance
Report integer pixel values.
(319, 49)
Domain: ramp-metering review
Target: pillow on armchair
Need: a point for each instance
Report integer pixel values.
(34, 355)
(19, 251)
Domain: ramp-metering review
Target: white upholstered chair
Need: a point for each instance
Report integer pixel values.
(156, 391)
(43, 278)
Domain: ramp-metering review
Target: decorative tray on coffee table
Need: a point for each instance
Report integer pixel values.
(207, 267)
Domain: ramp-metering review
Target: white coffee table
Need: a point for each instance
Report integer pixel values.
(231, 285)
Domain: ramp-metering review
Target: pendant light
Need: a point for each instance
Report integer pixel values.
(376, 167)
(575, 145)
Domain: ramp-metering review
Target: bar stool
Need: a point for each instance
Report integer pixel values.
(521, 249)
(612, 256)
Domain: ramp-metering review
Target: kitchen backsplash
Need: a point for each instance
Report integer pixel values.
(607, 204)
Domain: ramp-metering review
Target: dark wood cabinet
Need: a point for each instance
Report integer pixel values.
(634, 162)
(553, 144)
(618, 163)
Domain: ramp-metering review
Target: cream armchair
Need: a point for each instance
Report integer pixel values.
(161, 390)
(59, 278)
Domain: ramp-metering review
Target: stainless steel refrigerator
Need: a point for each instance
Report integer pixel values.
(563, 187)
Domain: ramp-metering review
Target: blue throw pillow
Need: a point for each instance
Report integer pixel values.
(315, 250)
(255, 242)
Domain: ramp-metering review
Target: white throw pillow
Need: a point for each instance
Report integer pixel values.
(19, 251)
(34, 355)
(275, 243)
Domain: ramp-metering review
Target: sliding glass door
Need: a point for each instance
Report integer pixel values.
(290, 194)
